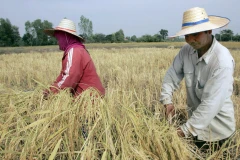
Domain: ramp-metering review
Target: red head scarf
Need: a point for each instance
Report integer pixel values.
(67, 40)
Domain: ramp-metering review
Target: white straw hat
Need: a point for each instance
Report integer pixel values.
(65, 25)
(196, 20)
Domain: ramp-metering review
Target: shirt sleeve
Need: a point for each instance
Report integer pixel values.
(72, 74)
(215, 92)
(171, 81)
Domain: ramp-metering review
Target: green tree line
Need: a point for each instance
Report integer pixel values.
(34, 35)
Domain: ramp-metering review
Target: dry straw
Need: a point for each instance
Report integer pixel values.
(128, 123)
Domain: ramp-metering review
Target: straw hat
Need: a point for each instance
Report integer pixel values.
(196, 20)
(65, 25)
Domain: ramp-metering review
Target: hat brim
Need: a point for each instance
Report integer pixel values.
(50, 32)
(214, 23)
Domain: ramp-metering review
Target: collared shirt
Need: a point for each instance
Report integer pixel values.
(209, 86)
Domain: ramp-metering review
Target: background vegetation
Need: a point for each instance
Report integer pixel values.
(34, 35)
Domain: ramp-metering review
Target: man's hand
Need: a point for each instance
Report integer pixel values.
(170, 111)
(180, 132)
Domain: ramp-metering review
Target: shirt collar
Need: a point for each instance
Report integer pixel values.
(206, 57)
(209, 53)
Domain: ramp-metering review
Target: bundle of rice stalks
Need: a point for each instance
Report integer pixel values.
(84, 128)
(236, 86)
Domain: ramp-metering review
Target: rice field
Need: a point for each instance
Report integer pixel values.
(128, 123)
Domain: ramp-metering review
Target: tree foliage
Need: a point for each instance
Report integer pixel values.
(85, 27)
(236, 38)
(35, 36)
(119, 35)
(163, 33)
(111, 38)
(9, 34)
(146, 38)
(150, 38)
(133, 38)
(99, 37)
(226, 35)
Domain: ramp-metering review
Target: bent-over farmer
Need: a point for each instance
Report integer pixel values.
(208, 68)
(78, 71)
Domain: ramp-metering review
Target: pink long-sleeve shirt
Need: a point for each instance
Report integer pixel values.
(78, 72)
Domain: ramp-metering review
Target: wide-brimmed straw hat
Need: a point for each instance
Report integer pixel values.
(196, 20)
(65, 25)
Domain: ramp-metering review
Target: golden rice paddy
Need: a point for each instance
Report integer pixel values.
(128, 123)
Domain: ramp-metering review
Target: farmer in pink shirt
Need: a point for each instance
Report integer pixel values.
(78, 72)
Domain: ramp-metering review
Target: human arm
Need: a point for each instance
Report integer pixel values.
(215, 92)
(52, 89)
(72, 71)
(170, 110)
(171, 81)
